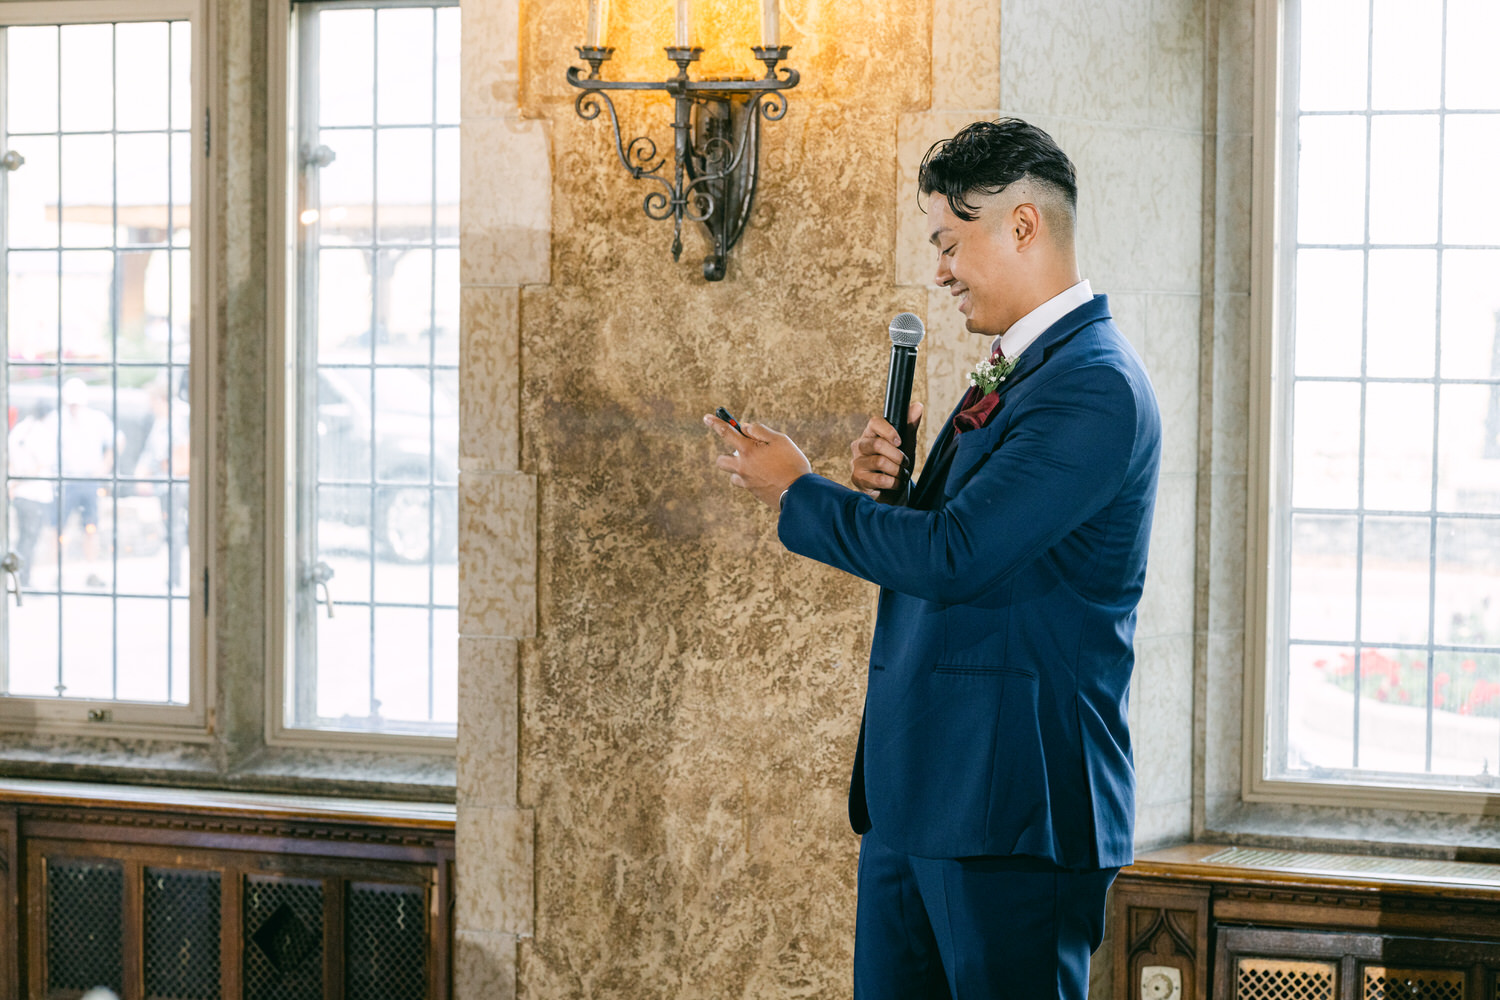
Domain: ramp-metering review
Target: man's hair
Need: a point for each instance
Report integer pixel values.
(985, 158)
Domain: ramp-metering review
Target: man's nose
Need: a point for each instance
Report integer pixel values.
(944, 276)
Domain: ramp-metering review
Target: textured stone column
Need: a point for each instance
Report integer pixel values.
(505, 243)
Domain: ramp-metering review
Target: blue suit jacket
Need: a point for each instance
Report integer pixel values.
(995, 715)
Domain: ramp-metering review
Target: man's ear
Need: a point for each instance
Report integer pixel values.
(1026, 224)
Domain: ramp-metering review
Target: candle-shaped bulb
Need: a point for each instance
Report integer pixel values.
(597, 36)
(770, 23)
(684, 24)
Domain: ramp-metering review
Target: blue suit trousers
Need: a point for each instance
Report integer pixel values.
(974, 928)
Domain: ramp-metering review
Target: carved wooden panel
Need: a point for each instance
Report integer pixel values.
(1160, 929)
(222, 907)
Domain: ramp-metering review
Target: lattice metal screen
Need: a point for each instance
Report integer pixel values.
(385, 943)
(1282, 979)
(283, 939)
(84, 911)
(182, 935)
(1382, 983)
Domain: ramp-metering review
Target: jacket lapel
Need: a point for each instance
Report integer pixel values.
(972, 445)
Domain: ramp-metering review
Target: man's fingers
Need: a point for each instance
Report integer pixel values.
(716, 425)
(877, 448)
(760, 432)
(881, 429)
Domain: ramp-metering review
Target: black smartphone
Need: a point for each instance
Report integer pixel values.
(728, 418)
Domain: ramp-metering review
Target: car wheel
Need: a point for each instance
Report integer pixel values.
(406, 524)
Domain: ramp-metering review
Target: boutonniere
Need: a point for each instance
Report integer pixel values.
(987, 375)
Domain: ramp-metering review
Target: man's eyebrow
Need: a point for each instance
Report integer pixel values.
(938, 232)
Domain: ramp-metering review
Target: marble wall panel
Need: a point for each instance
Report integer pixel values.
(505, 220)
(497, 523)
(1160, 824)
(1174, 322)
(1162, 738)
(1177, 64)
(490, 60)
(1139, 199)
(495, 849)
(1082, 59)
(488, 718)
(1167, 604)
(489, 380)
(1129, 312)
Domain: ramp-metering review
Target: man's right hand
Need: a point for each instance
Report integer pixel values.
(877, 459)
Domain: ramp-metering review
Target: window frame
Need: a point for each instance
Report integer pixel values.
(194, 722)
(1274, 199)
(282, 415)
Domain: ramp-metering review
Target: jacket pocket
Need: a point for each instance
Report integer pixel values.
(981, 668)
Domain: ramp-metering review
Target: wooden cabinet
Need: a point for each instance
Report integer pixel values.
(247, 900)
(1206, 921)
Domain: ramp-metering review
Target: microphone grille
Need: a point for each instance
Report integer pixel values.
(907, 330)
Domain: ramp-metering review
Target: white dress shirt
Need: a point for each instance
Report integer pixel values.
(1024, 331)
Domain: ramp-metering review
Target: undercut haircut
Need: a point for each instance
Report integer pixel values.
(985, 158)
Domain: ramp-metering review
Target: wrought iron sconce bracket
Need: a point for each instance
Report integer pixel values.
(716, 142)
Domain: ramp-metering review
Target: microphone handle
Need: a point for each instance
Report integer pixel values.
(897, 403)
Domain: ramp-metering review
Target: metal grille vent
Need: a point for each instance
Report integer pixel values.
(84, 910)
(1412, 984)
(385, 943)
(182, 934)
(1281, 979)
(283, 939)
(1413, 869)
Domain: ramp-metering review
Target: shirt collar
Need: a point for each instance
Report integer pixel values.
(1024, 331)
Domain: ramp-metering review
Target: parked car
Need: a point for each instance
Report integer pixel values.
(409, 439)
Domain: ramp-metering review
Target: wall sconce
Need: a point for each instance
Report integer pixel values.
(716, 152)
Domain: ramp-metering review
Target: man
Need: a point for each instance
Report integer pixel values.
(87, 447)
(993, 781)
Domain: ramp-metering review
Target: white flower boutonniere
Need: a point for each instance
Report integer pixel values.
(987, 375)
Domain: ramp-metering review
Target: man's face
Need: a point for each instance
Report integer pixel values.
(978, 262)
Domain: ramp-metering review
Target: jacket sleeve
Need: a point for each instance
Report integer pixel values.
(1063, 458)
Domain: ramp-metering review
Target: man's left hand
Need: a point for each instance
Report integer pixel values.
(764, 462)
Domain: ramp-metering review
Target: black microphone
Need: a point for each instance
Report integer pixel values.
(907, 332)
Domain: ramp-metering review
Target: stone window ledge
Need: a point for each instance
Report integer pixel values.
(338, 774)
